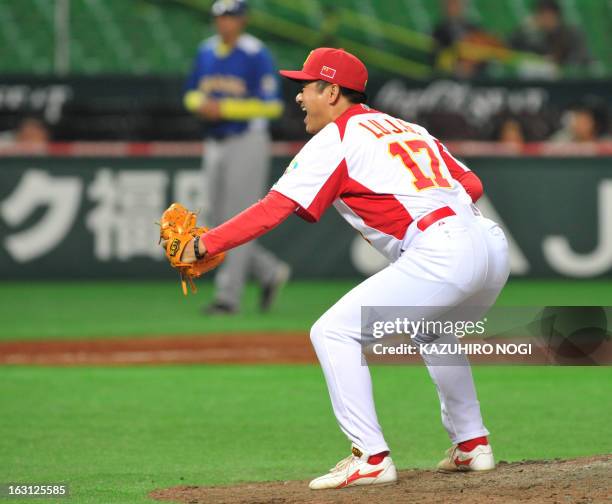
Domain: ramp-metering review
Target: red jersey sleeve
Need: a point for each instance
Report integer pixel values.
(461, 173)
(472, 185)
(249, 224)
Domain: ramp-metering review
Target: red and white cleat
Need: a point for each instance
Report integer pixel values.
(354, 470)
(479, 459)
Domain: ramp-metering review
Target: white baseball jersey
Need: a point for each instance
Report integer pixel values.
(380, 172)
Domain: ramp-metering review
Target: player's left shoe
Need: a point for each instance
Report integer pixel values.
(479, 459)
(355, 470)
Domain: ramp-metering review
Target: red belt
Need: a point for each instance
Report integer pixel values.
(432, 217)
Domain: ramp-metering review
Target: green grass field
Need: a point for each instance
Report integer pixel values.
(76, 310)
(114, 434)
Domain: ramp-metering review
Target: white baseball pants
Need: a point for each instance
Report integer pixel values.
(237, 172)
(458, 260)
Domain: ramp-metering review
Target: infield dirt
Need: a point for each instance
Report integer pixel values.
(226, 348)
(582, 480)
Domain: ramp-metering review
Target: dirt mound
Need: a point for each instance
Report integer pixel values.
(226, 348)
(583, 480)
(240, 348)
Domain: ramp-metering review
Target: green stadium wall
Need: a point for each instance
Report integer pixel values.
(94, 217)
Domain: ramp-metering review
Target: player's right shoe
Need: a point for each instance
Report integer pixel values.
(479, 459)
(269, 292)
(354, 470)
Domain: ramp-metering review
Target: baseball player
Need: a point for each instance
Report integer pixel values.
(413, 201)
(233, 88)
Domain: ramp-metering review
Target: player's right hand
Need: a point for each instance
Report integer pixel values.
(194, 100)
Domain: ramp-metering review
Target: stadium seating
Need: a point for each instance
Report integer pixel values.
(160, 36)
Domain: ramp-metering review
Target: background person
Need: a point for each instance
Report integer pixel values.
(234, 90)
(546, 33)
(31, 131)
(455, 38)
(586, 121)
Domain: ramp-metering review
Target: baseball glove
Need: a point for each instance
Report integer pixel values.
(176, 229)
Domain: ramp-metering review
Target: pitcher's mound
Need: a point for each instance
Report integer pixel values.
(583, 480)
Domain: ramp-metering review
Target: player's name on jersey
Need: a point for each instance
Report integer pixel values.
(386, 127)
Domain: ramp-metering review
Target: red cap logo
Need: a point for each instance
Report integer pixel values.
(332, 65)
(330, 73)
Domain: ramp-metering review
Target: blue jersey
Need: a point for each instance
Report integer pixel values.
(247, 71)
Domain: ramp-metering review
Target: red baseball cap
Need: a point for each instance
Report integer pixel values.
(332, 65)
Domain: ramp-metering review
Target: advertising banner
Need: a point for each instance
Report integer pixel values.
(94, 217)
